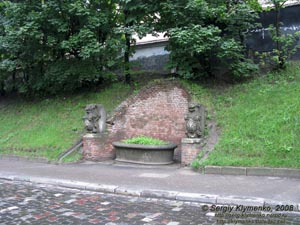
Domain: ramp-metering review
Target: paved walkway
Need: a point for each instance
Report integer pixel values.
(171, 182)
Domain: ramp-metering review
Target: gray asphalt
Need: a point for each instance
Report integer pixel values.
(169, 178)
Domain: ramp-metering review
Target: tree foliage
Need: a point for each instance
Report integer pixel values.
(205, 34)
(49, 46)
(285, 44)
(57, 45)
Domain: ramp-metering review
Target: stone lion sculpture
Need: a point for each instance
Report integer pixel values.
(195, 121)
(95, 118)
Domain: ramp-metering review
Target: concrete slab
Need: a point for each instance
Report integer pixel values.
(159, 194)
(256, 171)
(127, 191)
(246, 201)
(213, 170)
(281, 172)
(197, 197)
(230, 170)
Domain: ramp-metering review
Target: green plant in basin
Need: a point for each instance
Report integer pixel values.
(144, 140)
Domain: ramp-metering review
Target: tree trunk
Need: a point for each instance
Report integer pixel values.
(126, 60)
(2, 91)
(277, 26)
(14, 88)
(127, 49)
(278, 34)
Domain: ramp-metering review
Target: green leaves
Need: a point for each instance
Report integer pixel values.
(205, 35)
(36, 38)
(196, 38)
(284, 45)
(255, 5)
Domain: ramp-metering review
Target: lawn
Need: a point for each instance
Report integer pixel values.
(259, 122)
(50, 126)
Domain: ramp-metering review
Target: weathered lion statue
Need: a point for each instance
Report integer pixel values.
(95, 118)
(195, 121)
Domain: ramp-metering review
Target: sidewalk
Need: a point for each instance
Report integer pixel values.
(171, 182)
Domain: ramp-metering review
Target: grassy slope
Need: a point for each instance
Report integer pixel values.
(260, 122)
(48, 127)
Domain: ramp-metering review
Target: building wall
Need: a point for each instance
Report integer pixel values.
(157, 111)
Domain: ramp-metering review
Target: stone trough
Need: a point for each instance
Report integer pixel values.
(145, 154)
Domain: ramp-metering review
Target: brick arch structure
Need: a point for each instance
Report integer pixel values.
(157, 111)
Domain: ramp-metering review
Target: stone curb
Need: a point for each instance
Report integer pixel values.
(251, 171)
(153, 193)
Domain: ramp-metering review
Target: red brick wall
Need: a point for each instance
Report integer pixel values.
(190, 148)
(93, 148)
(157, 111)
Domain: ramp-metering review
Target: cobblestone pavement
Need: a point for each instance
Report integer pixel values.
(25, 203)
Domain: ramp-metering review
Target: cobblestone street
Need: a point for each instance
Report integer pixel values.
(25, 203)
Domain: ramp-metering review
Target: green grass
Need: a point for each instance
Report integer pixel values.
(73, 157)
(144, 140)
(48, 127)
(260, 122)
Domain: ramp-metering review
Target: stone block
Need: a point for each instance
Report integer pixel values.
(126, 191)
(103, 188)
(194, 197)
(257, 171)
(236, 200)
(213, 170)
(282, 172)
(159, 194)
(191, 140)
(230, 170)
(72, 184)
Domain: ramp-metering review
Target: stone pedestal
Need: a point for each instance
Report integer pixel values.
(93, 148)
(190, 148)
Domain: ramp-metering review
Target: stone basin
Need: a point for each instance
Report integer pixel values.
(145, 154)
